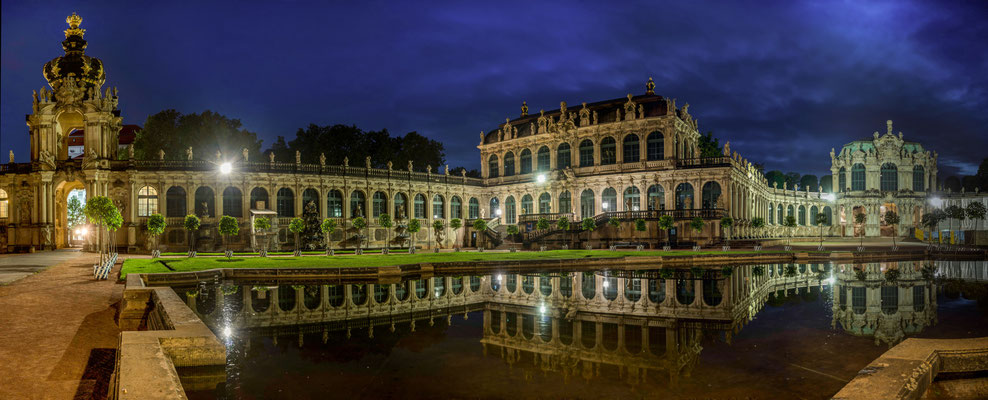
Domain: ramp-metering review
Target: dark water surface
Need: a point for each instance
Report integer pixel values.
(786, 332)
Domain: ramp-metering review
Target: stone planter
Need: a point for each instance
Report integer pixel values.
(726, 248)
(330, 253)
(359, 252)
(385, 251)
(435, 250)
(666, 248)
(155, 253)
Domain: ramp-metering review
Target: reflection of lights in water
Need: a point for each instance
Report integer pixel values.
(830, 280)
(500, 278)
(542, 309)
(227, 331)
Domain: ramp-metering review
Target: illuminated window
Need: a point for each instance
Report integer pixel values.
(147, 202)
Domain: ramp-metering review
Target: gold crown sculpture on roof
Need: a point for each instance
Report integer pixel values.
(74, 21)
(75, 63)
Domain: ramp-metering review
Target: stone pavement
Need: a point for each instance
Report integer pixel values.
(17, 266)
(58, 329)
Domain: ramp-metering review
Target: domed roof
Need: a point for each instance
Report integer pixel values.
(75, 63)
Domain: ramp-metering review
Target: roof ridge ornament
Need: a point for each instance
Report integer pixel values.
(650, 86)
(888, 125)
(524, 109)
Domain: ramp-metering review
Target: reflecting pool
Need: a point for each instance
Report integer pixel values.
(763, 331)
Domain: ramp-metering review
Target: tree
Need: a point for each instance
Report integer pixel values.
(76, 216)
(727, 223)
(327, 227)
(821, 220)
(709, 146)
(792, 180)
(480, 226)
(969, 183)
(543, 225)
(955, 212)
(99, 210)
(414, 226)
(512, 231)
(455, 224)
(640, 226)
(666, 222)
(262, 224)
(892, 218)
(338, 142)
(385, 221)
(616, 224)
(809, 181)
(952, 184)
(296, 226)
(206, 133)
(589, 225)
(860, 219)
(976, 211)
(790, 222)
(932, 220)
(563, 224)
(696, 224)
(114, 222)
(776, 179)
(228, 227)
(156, 226)
(192, 224)
(827, 184)
(359, 224)
(440, 228)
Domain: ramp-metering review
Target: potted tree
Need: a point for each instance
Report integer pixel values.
(790, 222)
(588, 225)
(455, 224)
(480, 226)
(860, 219)
(327, 227)
(563, 225)
(440, 232)
(296, 226)
(113, 223)
(640, 226)
(228, 227)
(821, 221)
(156, 226)
(414, 226)
(666, 223)
(261, 225)
(955, 212)
(892, 218)
(192, 224)
(758, 223)
(512, 231)
(696, 224)
(542, 225)
(359, 224)
(385, 221)
(727, 223)
(616, 224)
(976, 211)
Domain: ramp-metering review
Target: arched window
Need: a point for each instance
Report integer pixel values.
(5, 204)
(632, 149)
(492, 166)
(789, 211)
(233, 202)
(586, 204)
(919, 178)
(858, 177)
(543, 159)
(684, 196)
(545, 203)
(813, 212)
(655, 146)
(259, 199)
(205, 202)
(890, 177)
(334, 204)
(379, 204)
(495, 208)
(608, 200)
(473, 210)
(711, 193)
(358, 204)
(771, 213)
(509, 210)
(526, 204)
(419, 206)
(779, 211)
(608, 151)
(565, 202)
(829, 214)
(656, 197)
(286, 203)
(509, 164)
(586, 153)
(841, 180)
(562, 156)
(455, 207)
(438, 207)
(526, 161)
(632, 199)
(310, 201)
(401, 206)
(147, 202)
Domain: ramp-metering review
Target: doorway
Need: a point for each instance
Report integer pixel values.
(71, 228)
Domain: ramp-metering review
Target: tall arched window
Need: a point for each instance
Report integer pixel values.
(473, 210)
(789, 211)
(608, 200)
(509, 210)
(684, 196)
(526, 161)
(543, 159)
(233, 202)
(632, 149)
(205, 202)
(632, 199)
(771, 214)
(492, 166)
(829, 213)
(586, 204)
(813, 212)
(841, 180)
(545, 203)
(655, 146)
(779, 212)
(509, 164)
(586, 153)
(562, 156)
(526, 204)
(380, 204)
(455, 207)
(565, 202)
(401, 206)
(608, 151)
(890, 177)
(438, 207)
(858, 177)
(656, 197)
(5, 204)
(358, 204)
(419, 206)
(147, 202)
(334, 204)
(919, 178)
(310, 196)
(711, 192)
(495, 208)
(286, 203)
(259, 199)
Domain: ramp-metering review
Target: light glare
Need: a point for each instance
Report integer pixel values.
(226, 168)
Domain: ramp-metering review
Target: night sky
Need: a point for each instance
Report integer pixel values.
(783, 81)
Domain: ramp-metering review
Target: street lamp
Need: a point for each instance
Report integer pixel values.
(540, 178)
(936, 202)
(226, 168)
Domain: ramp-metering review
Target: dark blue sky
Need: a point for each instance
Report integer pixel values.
(784, 81)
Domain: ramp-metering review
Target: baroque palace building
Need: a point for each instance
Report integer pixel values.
(627, 158)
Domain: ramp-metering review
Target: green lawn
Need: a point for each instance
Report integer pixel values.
(181, 264)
